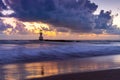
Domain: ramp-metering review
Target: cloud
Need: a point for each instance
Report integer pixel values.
(2, 6)
(11, 26)
(2, 26)
(104, 23)
(104, 20)
(74, 15)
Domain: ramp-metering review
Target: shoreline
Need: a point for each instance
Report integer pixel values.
(112, 74)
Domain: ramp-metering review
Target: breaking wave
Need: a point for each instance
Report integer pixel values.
(55, 51)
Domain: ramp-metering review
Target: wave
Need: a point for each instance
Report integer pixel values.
(54, 51)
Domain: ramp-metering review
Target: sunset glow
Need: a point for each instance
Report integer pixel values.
(35, 27)
(59, 39)
(116, 21)
(86, 23)
(10, 21)
(31, 27)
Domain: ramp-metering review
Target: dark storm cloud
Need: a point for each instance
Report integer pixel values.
(76, 15)
(104, 23)
(31, 10)
(104, 20)
(2, 6)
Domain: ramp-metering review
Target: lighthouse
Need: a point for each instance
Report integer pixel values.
(41, 36)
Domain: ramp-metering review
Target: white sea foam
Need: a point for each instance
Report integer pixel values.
(51, 51)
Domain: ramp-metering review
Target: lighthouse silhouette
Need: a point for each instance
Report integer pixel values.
(41, 36)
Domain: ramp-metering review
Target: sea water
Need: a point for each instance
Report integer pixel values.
(45, 51)
(54, 58)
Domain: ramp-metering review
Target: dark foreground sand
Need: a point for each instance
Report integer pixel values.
(97, 75)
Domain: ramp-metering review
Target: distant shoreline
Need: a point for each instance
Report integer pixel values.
(47, 40)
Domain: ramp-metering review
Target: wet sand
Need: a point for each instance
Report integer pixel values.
(96, 68)
(113, 74)
(99, 68)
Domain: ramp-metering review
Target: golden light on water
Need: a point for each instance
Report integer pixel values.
(45, 69)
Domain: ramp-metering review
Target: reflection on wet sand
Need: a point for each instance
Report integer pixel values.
(43, 69)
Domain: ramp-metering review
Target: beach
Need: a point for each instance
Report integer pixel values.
(96, 68)
(96, 75)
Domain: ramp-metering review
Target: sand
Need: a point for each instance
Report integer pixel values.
(96, 75)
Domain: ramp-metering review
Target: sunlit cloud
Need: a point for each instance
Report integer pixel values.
(10, 21)
(19, 27)
(116, 21)
(35, 27)
(7, 12)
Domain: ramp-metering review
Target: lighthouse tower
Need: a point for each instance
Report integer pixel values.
(41, 36)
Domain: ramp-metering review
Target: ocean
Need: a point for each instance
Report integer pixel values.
(22, 61)
(47, 51)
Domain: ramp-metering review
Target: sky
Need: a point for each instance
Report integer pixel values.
(109, 5)
(60, 19)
